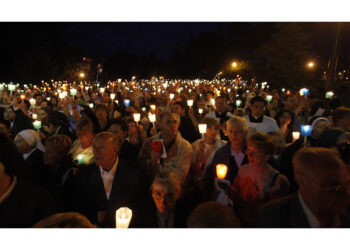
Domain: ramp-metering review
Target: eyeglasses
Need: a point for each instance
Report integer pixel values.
(158, 196)
(339, 188)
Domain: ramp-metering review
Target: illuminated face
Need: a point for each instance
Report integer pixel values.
(9, 115)
(285, 119)
(256, 156)
(236, 135)
(220, 105)
(105, 152)
(163, 197)
(42, 115)
(258, 109)
(169, 125)
(85, 138)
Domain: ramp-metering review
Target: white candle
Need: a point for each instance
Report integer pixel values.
(112, 96)
(238, 103)
(123, 217)
(190, 103)
(171, 96)
(202, 128)
(34, 116)
(137, 117)
(32, 101)
(102, 90)
(37, 124)
(200, 111)
(296, 135)
(152, 117)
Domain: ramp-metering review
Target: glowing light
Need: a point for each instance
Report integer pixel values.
(221, 171)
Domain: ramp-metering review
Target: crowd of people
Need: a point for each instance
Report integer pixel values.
(72, 154)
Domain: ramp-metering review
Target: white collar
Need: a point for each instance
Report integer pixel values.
(112, 171)
(9, 190)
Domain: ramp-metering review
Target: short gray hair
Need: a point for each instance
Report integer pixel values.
(117, 140)
(240, 122)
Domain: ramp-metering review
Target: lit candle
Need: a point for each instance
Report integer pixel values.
(212, 101)
(202, 128)
(283, 90)
(200, 111)
(152, 117)
(102, 90)
(32, 101)
(48, 98)
(306, 91)
(238, 103)
(34, 116)
(306, 130)
(153, 107)
(86, 88)
(171, 96)
(269, 98)
(73, 92)
(112, 96)
(37, 125)
(190, 103)
(91, 105)
(81, 159)
(123, 217)
(137, 117)
(2, 86)
(329, 94)
(144, 109)
(221, 171)
(126, 102)
(23, 96)
(12, 87)
(296, 135)
(229, 90)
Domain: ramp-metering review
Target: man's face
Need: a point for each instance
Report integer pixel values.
(291, 103)
(169, 125)
(179, 110)
(9, 115)
(328, 191)
(220, 105)
(235, 135)
(105, 152)
(163, 197)
(258, 109)
(101, 114)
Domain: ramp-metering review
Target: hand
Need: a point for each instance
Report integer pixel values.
(155, 157)
(153, 131)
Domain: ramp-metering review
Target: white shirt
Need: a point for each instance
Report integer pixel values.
(238, 157)
(26, 155)
(309, 215)
(108, 177)
(267, 125)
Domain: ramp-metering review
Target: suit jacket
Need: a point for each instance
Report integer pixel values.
(283, 213)
(21, 122)
(90, 197)
(222, 156)
(34, 170)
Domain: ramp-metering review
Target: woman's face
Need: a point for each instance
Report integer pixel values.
(319, 128)
(235, 135)
(132, 128)
(42, 115)
(256, 156)
(285, 119)
(163, 197)
(211, 133)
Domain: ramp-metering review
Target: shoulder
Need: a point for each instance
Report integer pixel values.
(268, 119)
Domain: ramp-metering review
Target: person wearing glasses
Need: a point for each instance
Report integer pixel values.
(323, 196)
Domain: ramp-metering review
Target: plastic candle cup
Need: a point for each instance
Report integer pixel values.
(34, 116)
(238, 103)
(269, 98)
(190, 103)
(144, 109)
(212, 101)
(283, 90)
(123, 217)
(329, 94)
(296, 135)
(86, 88)
(137, 117)
(202, 128)
(152, 117)
(153, 107)
(112, 95)
(171, 96)
(81, 159)
(102, 90)
(200, 111)
(221, 171)
(12, 87)
(91, 105)
(306, 130)
(37, 125)
(126, 102)
(73, 92)
(32, 101)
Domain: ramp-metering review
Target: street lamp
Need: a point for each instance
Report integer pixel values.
(82, 75)
(310, 64)
(234, 65)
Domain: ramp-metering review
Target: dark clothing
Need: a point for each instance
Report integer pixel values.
(222, 156)
(188, 130)
(34, 170)
(150, 219)
(88, 196)
(129, 151)
(21, 122)
(26, 205)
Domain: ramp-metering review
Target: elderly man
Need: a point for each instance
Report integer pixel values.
(323, 196)
(178, 151)
(108, 184)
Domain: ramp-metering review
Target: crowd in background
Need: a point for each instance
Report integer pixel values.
(71, 154)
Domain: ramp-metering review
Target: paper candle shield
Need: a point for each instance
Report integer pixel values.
(221, 171)
(123, 217)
